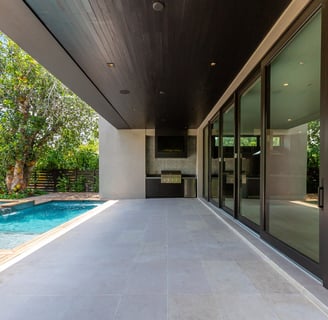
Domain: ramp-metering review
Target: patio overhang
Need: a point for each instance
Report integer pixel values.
(170, 67)
(19, 23)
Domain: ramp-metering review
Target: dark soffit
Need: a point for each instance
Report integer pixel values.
(162, 58)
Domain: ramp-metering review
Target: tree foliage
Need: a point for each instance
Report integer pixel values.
(37, 114)
(313, 156)
(83, 157)
(313, 144)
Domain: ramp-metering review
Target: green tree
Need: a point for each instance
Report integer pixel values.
(313, 144)
(37, 113)
(313, 156)
(83, 157)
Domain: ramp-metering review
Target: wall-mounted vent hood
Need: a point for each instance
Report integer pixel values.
(171, 143)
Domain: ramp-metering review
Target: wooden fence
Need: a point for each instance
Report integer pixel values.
(65, 180)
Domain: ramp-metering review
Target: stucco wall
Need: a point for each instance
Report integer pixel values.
(121, 163)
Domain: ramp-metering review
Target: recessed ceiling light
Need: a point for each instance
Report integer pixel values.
(301, 62)
(110, 64)
(286, 84)
(124, 91)
(158, 6)
(213, 64)
(289, 119)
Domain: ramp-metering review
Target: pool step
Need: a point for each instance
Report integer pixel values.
(4, 211)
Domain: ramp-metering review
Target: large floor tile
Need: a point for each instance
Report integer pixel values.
(82, 307)
(294, 306)
(193, 307)
(187, 277)
(142, 307)
(245, 307)
(148, 278)
(227, 277)
(151, 259)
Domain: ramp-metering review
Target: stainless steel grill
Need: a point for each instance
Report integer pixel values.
(170, 176)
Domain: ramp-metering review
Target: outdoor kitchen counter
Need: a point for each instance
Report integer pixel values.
(156, 189)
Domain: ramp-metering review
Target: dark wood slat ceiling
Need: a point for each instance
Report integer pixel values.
(167, 51)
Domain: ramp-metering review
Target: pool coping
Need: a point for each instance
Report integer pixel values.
(8, 257)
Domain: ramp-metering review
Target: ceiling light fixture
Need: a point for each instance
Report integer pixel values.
(285, 84)
(301, 62)
(213, 64)
(158, 6)
(162, 92)
(289, 119)
(110, 64)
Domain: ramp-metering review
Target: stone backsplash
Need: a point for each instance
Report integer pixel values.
(154, 166)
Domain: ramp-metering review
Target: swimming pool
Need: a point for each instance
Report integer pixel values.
(19, 226)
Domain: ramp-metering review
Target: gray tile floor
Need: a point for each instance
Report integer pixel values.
(151, 260)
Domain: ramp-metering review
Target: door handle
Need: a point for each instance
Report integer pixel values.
(320, 197)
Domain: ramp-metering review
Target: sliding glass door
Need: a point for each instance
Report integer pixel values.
(205, 161)
(228, 158)
(214, 161)
(250, 152)
(293, 143)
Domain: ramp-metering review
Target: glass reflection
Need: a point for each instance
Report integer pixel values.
(293, 142)
(214, 163)
(205, 164)
(228, 152)
(250, 152)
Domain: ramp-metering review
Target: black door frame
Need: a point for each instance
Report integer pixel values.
(324, 145)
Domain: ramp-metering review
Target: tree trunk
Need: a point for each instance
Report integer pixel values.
(9, 177)
(18, 177)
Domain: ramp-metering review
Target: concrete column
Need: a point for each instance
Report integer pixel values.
(121, 162)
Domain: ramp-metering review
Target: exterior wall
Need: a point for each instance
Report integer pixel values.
(122, 162)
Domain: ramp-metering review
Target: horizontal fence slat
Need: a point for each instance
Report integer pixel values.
(48, 180)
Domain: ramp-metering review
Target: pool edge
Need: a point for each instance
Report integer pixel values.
(12, 256)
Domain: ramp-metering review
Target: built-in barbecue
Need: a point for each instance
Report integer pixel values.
(170, 176)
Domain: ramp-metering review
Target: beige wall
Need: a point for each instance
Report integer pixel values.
(122, 162)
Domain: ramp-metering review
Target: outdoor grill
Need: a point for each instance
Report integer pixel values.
(170, 176)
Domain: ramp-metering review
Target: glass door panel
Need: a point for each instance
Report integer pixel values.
(228, 157)
(293, 142)
(214, 161)
(250, 152)
(205, 164)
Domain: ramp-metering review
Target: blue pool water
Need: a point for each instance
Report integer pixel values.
(20, 226)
